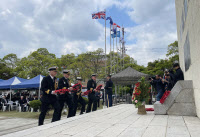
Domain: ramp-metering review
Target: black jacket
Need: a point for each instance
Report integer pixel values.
(158, 85)
(74, 93)
(47, 86)
(168, 85)
(22, 101)
(178, 75)
(91, 85)
(108, 87)
(63, 84)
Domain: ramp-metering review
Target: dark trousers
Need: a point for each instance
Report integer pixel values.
(92, 100)
(68, 101)
(103, 99)
(77, 100)
(98, 101)
(23, 108)
(109, 100)
(44, 109)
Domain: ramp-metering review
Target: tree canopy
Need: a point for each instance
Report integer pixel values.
(83, 65)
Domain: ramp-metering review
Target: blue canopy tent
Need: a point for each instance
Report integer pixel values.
(6, 84)
(34, 83)
(1, 80)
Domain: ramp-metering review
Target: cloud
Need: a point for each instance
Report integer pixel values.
(156, 29)
(50, 24)
(1, 45)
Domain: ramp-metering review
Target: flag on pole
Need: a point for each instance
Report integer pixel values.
(111, 21)
(114, 24)
(99, 15)
(115, 35)
(114, 30)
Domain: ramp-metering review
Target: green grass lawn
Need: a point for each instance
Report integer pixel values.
(34, 115)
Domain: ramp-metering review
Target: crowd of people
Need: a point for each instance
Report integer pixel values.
(166, 82)
(22, 99)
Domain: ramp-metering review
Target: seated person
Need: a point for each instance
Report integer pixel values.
(4, 102)
(33, 98)
(23, 104)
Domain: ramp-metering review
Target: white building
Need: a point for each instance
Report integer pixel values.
(188, 30)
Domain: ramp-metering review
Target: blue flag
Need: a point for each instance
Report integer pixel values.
(114, 30)
(115, 35)
(111, 21)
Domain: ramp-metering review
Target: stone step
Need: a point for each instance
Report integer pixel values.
(181, 94)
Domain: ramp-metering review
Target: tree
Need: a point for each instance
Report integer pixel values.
(11, 60)
(67, 60)
(172, 51)
(36, 63)
(158, 66)
(90, 62)
(6, 72)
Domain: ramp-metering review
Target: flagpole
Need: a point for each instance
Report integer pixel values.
(105, 63)
(123, 45)
(117, 52)
(105, 47)
(120, 55)
(110, 52)
(114, 52)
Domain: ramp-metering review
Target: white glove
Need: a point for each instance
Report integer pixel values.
(53, 92)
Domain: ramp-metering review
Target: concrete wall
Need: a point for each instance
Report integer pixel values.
(188, 25)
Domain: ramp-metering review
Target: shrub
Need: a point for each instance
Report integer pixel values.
(35, 104)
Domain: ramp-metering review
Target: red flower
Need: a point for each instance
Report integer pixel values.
(137, 84)
(136, 94)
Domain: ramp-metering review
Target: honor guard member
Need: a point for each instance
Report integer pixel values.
(108, 89)
(48, 87)
(64, 83)
(91, 85)
(77, 97)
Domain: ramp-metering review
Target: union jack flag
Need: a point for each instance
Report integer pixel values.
(99, 15)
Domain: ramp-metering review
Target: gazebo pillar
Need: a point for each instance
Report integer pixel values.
(115, 93)
(118, 90)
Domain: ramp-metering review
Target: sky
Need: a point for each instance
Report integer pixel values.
(66, 26)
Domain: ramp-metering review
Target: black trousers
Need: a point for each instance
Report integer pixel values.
(23, 108)
(77, 100)
(68, 100)
(92, 101)
(44, 109)
(109, 100)
(98, 101)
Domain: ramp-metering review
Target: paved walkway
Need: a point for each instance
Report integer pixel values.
(118, 121)
(10, 125)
